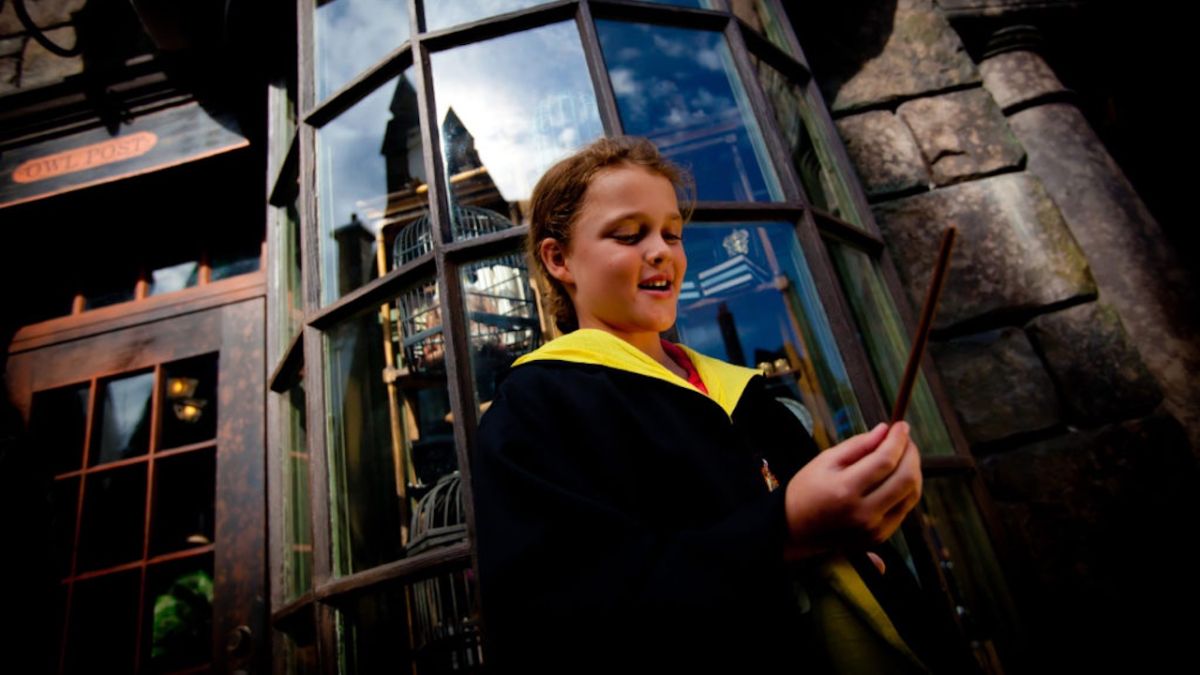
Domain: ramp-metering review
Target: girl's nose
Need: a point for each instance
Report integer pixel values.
(658, 249)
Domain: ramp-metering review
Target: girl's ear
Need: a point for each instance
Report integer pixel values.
(554, 257)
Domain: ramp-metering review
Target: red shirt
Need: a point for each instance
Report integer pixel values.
(680, 357)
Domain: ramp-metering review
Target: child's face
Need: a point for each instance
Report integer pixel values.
(627, 234)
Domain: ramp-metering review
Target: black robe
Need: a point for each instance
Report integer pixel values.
(623, 522)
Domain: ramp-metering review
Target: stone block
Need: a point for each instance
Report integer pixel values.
(884, 152)
(44, 13)
(997, 384)
(962, 135)
(866, 52)
(1103, 520)
(1100, 375)
(8, 75)
(40, 67)
(9, 23)
(995, 8)
(12, 45)
(1013, 252)
(1149, 280)
(1016, 77)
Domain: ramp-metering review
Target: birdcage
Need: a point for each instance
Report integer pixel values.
(445, 630)
(416, 239)
(501, 312)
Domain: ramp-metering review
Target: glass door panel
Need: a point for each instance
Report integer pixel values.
(126, 428)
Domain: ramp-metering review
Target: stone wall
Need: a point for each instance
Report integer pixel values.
(1065, 338)
(24, 62)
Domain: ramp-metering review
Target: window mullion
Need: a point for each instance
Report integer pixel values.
(761, 108)
(318, 465)
(610, 116)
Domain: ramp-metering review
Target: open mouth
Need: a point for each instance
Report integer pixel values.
(659, 285)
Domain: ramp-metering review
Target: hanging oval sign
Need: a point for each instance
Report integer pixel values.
(87, 157)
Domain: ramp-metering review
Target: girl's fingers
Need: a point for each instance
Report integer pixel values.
(870, 472)
(901, 490)
(853, 449)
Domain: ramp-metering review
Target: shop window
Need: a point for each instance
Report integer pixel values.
(371, 178)
(133, 521)
(679, 88)
(511, 95)
(507, 109)
(502, 316)
(766, 18)
(824, 185)
(297, 561)
(373, 27)
(749, 299)
(887, 343)
(391, 435)
(440, 15)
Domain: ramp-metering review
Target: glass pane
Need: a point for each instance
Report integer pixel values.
(189, 411)
(64, 496)
(509, 108)
(976, 583)
(300, 658)
(762, 17)
(373, 635)
(294, 285)
(825, 187)
(887, 344)
(57, 423)
(178, 623)
(445, 14)
(184, 494)
(99, 293)
(679, 88)
(297, 561)
(748, 298)
(123, 427)
(242, 259)
(371, 185)
(103, 623)
(391, 435)
(114, 511)
(445, 624)
(174, 278)
(503, 318)
(432, 625)
(351, 35)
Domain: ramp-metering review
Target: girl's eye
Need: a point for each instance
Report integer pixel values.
(626, 238)
(669, 236)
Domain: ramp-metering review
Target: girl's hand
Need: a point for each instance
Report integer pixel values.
(854, 494)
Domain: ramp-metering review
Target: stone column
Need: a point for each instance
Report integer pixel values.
(1136, 270)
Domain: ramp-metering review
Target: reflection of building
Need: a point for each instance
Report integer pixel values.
(344, 369)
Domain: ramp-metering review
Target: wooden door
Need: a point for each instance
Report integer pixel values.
(151, 440)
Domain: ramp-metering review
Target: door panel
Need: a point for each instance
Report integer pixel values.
(152, 440)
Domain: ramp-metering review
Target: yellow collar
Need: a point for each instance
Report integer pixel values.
(725, 381)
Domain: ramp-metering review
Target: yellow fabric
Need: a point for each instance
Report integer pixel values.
(852, 649)
(725, 381)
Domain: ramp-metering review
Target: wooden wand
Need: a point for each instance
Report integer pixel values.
(904, 393)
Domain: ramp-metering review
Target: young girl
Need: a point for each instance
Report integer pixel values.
(626, 511)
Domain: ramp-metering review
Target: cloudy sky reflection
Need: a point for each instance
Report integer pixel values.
(351, 35)
(352, 170)
(526, 99)
(678, 87)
